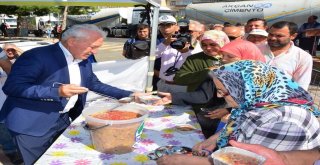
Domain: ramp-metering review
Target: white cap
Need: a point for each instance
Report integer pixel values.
(259, 32)
(167, 19)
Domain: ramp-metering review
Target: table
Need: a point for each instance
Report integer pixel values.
(74, 146)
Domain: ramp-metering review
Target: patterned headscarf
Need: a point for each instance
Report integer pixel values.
(216, 36)
(257, 86)
(245, 50)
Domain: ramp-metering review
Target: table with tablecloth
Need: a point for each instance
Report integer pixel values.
(74, 146)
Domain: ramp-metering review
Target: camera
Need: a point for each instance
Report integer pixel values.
(183, 36)
(170, 71)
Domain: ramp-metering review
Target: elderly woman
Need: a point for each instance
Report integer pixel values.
(268, 109)
(206, 93)
(195, 70)
(196, 67)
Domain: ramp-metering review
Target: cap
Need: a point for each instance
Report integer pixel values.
(167, 19)
(259, 32)
(183, 22)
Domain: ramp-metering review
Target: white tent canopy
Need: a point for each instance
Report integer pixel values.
(108, 3)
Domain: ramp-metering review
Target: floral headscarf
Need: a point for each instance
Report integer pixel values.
(216, 36)
(245, 50)
(257, 86)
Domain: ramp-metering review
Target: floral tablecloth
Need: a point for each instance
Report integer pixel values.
(74, 146)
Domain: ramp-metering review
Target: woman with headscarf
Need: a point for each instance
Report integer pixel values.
(205, 97)
(195, 70)
(269, 109)
(196, 67)
(235, 51)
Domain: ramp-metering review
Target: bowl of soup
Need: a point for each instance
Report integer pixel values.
(115, 130)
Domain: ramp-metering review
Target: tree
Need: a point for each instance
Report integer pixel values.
(45, 10)
(26, 11)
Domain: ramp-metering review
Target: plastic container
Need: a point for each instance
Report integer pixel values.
(236, 156)
(149, 99)
(114, 136)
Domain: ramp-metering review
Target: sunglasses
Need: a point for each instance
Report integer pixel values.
(232, 37)
(10, 50)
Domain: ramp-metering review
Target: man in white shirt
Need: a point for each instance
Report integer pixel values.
(281, 52)
(171, 58)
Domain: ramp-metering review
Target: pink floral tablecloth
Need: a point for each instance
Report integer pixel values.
(74, 147)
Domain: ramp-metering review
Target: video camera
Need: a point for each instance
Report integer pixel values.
(183, 36)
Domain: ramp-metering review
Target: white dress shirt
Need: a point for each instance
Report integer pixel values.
(74, 74)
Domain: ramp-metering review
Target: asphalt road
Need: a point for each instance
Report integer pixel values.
(111, 49)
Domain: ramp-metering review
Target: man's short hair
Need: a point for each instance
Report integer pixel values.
(293, 27)
(257, 19)
(314, 17)
(142, 26)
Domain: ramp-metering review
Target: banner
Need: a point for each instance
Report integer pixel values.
(125, 74)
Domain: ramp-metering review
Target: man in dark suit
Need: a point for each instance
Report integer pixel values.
(48, 85)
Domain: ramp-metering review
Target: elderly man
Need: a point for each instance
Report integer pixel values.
(48, 85)
(233, 32)
(281, 52)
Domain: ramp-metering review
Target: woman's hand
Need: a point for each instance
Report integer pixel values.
(217, 114)
(203, 148)
(166, 98)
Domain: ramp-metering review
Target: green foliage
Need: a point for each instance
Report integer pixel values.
(78, 10)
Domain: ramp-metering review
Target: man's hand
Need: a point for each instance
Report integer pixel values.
(168, 40)
(69, 90)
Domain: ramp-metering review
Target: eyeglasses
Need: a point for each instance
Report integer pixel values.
(222, 93)
(232, 37)
(10, 50)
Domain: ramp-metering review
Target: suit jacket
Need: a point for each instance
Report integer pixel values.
(33, 102)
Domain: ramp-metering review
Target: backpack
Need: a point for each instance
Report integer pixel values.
(137, 49)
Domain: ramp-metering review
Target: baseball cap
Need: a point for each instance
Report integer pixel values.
(167, 19)
(259, 32)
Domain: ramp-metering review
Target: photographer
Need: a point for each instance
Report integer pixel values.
(173, 51)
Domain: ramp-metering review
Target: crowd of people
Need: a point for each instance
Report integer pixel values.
(247, 84)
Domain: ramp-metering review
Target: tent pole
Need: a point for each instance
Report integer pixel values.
(152, 56)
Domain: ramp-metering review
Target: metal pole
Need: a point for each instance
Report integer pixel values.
(152, 57)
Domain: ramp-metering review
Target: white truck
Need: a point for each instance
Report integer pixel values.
(10, 20)
(296, 11)
(35, 24)
(114, 21)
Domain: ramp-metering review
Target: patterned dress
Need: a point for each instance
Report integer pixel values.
(273, 110)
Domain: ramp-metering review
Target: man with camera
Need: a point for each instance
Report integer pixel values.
(173, 51)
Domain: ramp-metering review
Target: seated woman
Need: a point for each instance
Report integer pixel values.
(206, 92)
(268, 109)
